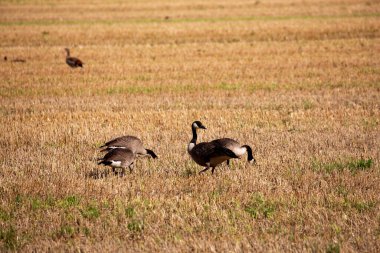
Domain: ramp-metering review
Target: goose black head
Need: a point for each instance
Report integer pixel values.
(198, 124)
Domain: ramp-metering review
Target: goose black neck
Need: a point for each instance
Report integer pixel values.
(194, 140)
(151, 153)
(249, 151)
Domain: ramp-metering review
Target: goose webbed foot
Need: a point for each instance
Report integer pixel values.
(208, 167)
(203, 170)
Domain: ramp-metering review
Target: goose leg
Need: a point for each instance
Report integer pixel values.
(131, 167)
(122, 172)
(212, 171)
(208, 167)
(228, 162)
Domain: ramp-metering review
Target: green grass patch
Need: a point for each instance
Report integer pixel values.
(333, 248)
(359, 205)
(47, 22)
(307, 104)
(86, 231)
(9, 238)
(352, 165)
(41, 203)
(91, 212)
(136, 226)
(130, 90)
(259, 207)
(18, 200)
(130, 212)
(37, 202)
(69, 201)
(360, 164)
(178, 88)
(66, 231)
(4, 216)
(228, 86)
(342, 191)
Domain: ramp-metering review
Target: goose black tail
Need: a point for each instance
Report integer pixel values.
(105, 162)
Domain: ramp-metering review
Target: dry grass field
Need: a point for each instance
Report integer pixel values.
(298, 80)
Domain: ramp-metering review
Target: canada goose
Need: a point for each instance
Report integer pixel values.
(72, 61)
(207, 154)
(119, 158)
(235, 147)
(15, 60)
(128, 142)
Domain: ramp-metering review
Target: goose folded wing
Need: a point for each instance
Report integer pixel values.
(78, 62)
(72, 61)
(222, 151)
(210, 150)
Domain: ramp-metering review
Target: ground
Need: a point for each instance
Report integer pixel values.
(299, 81)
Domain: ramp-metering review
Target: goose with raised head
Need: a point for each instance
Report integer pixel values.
(235, 147)
(128, 142)
(207, 154)
(119, 158)
(72, 61)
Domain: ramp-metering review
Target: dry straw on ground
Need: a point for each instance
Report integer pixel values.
(297, 80)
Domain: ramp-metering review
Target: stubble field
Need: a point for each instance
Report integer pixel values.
(299, 81)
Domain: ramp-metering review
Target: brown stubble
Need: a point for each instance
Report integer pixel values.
(303, 92)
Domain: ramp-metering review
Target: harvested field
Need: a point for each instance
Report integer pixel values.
(297, 80)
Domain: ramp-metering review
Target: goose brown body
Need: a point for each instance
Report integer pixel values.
(235, 147)
(119, 158)
(207, 154)
(128, 142)
(72, 61)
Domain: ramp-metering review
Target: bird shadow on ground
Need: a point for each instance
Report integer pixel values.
(103, 173)
(99, 173)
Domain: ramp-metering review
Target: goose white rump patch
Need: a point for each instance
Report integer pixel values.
(239, 151)
(116, 164)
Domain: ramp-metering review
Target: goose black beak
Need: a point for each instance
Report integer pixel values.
(203, 127)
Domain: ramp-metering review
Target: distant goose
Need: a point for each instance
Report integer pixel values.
(15, 60)
(72, 61)
(235, 147)
(128, 142)
(119, 158)
(207, 154)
